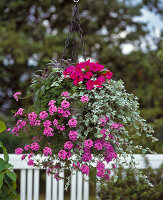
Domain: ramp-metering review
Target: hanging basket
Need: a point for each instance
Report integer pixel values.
(80, 116)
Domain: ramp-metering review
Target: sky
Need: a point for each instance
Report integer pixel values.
(155, 24)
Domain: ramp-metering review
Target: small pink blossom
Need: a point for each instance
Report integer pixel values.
(68, 145)
(85, 169)
(27, 147)
(30, 155)
(43, 115)
(84, 99)
(68, 154)
(52, 109)
(19, 112)
(73, 135)
(72, 122)
(60, 110)
(18, 151)
(62, 154)
(65, 94)
(47, 123)
(34, 146)
(88, 143)
(86, 157)
(23, 157)
(55, 122)
(47, 151)
(51, 103)
(16, 95)
(65, 104)
(66, 113)
(31, 162)
(48, 131)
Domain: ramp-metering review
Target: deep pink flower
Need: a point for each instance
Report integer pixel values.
(72, 122)
(100, 165)
(84, 99)
(23, 157)
(52, 109)
(47, 123)
(51, 103)
(65, 94)
(27, 147)
(86, 157)
(48, 131)
(55, 122)
(16, 95)
(43, 115)
(85, 169)
(31, 162)
(19, 151)
(19, 112)
(73, 135)
(65, 104)
(68, 145)
(47, 151)
(34, 146)
(62, 154)
(88, 143)
(60, 110)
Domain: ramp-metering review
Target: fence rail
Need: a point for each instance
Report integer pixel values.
(30, 179)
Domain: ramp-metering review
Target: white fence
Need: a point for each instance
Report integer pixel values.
(30, 179)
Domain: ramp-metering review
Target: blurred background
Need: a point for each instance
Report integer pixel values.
(123, 35)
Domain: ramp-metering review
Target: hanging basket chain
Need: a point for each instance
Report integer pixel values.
(74, 27)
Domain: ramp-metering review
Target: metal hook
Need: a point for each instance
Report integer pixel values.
(76, 1)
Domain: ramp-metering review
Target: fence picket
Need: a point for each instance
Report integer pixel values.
(48, 186)
(86, 188)
(61, 187)
(79, 185)
(54, 189)
(29, 184)
(23, 184)
(36, 184)
(73, 185)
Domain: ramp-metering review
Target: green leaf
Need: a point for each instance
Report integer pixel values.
(11, 175)
(4, 165)
(6, 157)
(2, 126)
(1, 179)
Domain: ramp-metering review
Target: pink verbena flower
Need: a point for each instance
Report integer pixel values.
(31, 162)
(52, 109)
(16, 95)
(55, 122)
(90, 85)
(100, 173)
(19, 112)
(32, 116)
(51, 103)
(62, 154)
(65, 94)
(47, 151)
(86, 157)
(84, 99)
(85, 169)
(65, 104)
(68, 145)
(43, 115)
(27, 147)
(19, 151)
(35, 146)
(66, 113)
(30, 155)
(47, 123)
(48, 131)
(88, 143)
(60, 110)
(100, 165)
(23, 157)
(98, 145)
(72, 122)
(73, 135)
(68, 154)
(116, 125)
